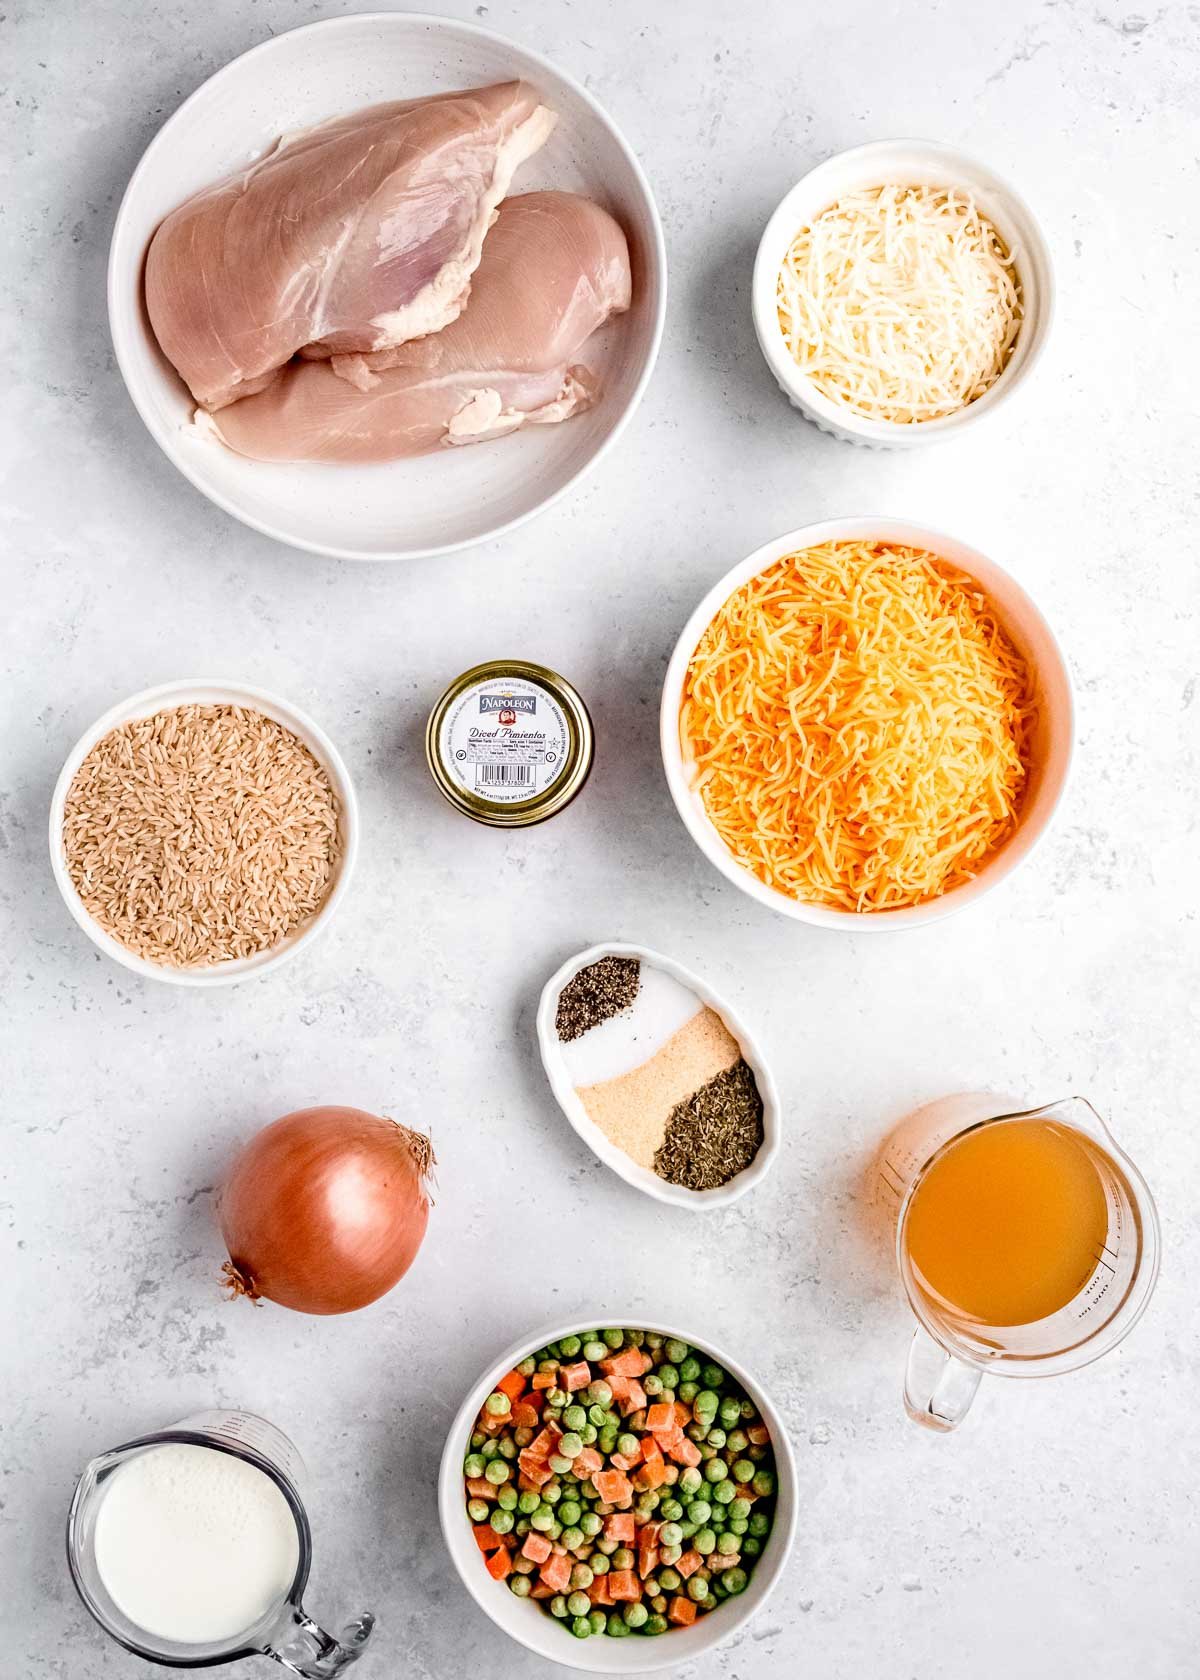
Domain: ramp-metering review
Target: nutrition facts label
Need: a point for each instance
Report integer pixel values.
(505, 741)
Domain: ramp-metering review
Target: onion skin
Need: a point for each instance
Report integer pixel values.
(324, 1210)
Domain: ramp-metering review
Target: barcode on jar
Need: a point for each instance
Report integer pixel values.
(505, 775)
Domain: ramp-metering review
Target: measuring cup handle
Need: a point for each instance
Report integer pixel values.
(938, 1389)
(303, 1648)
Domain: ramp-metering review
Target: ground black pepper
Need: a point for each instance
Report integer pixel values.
(597, 993)
(714, 1134)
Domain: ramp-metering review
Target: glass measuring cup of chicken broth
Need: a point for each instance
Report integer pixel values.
(1027, 1244)
(191, 1547)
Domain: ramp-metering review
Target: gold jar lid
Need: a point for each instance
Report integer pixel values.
(509, 743)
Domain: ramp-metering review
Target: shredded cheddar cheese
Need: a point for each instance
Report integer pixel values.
(858, 722)
(900, 303)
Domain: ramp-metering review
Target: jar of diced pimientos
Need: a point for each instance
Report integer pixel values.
(510, 743)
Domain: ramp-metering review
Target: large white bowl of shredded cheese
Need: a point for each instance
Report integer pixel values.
(860, 369)
(1050, 738)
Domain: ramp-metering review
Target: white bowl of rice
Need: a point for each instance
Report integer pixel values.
(866, 725)
(203, 832)
(901, 292)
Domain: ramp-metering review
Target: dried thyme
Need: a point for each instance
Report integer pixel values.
(597, 993)
(715, 1133)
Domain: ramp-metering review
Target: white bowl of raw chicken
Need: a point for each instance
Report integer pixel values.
(455, 497)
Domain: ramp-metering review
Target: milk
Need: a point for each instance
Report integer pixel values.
(194, 1545)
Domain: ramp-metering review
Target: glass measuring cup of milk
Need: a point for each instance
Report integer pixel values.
(191, 1546)
(1027, 1242)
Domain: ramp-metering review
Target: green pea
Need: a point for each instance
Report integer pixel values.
(757, 1453)
(705, 1542)
(623, 1558)
(569, 1512)
(542, 1519)
(668, 1375)
(650, 1501)
(614, 1338)
(588, 1434)
(594, 1350)
(751, 1547)
(689, 1368)
(706, 1403)
(557, 1606)
(473, 1465)
(699, 1511)
(572, 1538)
(559, 1462)
(653, 1340)
(652, 1384)
(760, 1523)
(737, 1526)
(763, 1483)
(497, 1405)
(656, 1624)
(691, 1479)
(727, 1544)
(670, 1511)
(570, 1446)
(528, 1502)
(554, 1532)
(725, 1492)
(670, 1534)
(527, 1366)
(519, 1586)
(606, 1548)
(689, 1528)
(617, 1629)
(598, 1416)
(574, 1417)
(650, 1586)
(582, 1578)
(697, 1589)
(557, 1397)
(635, 1615)
(590, 1523)
(668, 1580)
(735, 1580)
(730, 1411)
(668, 1394)
(478, 1439)
(547, 1364)
(502, 1522)
(600, 1393)
(715, 1470)
(687, 1391)
(739, 1510)
(749, 1410)
(507, 1498)
(628, 1445)
(581, 1627)
(497, 1471)
(606, 1440)
(521, 1527)
(716, 1437)
(670, 1554)
(489, 1450)
(569, 1346)
(600, 1563)
(551, 1494)
(635, 1338)
(677, 1351)
(737, 1440)
(743, 1471)
(478, 1510)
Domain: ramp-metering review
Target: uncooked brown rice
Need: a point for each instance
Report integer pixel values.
(201, 834)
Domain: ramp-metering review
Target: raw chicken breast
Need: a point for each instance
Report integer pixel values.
(554, 268)
(355, 235)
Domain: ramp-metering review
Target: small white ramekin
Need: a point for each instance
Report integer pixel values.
(915, 163)
(526, 1622)
(1053, 742)
(696, 1201)
(205, 691)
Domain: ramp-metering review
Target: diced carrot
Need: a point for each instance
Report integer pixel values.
(620, 1527)
(576, 1376)
(660, 1416)
(525, 1416)
(556, 1572)
(688, 1564)
(498, 1565)
(600, 1592)
(620, 1461)
(758, 1435)
(650, 1476)
(541, 1380)
(649, 1533)
(513, 1385)
(682, 1611)
(647, 1560)
(536, 1546)
(614, 1486)
(635, 1398)
(669, 1439)
(541, 1591)
(630, 1362)
(535, 1470)
(624, 1586)
(685, 1452)
(490, 1425)
(650, 1450)
(588, 1462)
(545, 1442)
(618, 1384)
(486, 1537)
(683, 1414)
(480, 1488)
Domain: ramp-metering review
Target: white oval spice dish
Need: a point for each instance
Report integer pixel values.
(593, 1060)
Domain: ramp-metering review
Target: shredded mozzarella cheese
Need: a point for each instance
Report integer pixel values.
(858, 724)
(900, 303)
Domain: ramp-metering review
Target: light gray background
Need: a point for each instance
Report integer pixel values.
(1057, 1534)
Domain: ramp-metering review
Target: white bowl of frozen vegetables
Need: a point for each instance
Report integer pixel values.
(717, 1570)
(659, 1076)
